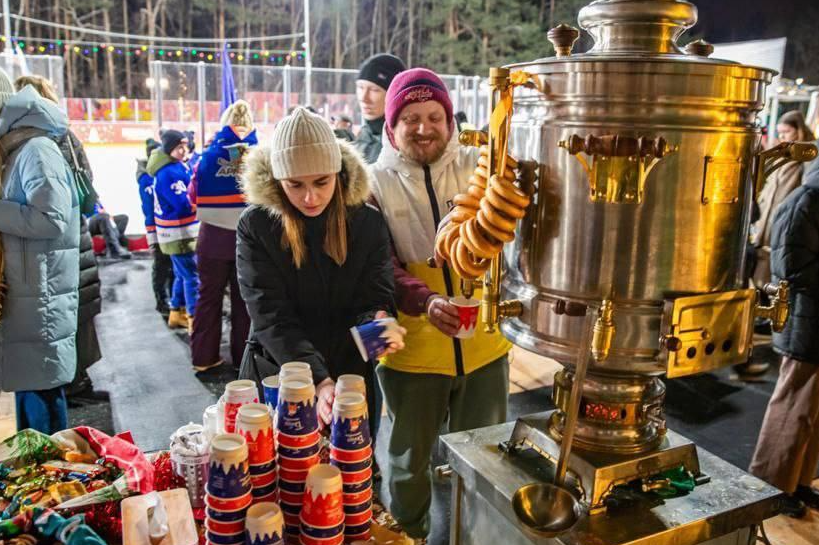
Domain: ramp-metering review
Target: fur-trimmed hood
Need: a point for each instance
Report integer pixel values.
(263, 189)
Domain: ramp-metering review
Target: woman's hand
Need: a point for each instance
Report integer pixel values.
(326, 393)
(397, 343)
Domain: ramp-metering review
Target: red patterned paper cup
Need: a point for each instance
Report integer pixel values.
(322, 505)
(298, 463)
(468, 310)
(298, 441)
(357, 476)
(255, 425)
(259, 481)
(227, 528)
(358, 519)
(293, 498)
(238, 393)
(228, 504)
(358, 498)
(351, 456)
(307, 540)
(293, 475)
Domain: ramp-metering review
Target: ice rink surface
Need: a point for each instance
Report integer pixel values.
(114, 169)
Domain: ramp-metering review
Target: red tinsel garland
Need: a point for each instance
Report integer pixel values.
(106, 518)
(164, 478)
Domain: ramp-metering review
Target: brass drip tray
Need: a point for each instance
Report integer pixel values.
(600, 472)
(724, 510)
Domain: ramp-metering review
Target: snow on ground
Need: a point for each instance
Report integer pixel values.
(114, 169)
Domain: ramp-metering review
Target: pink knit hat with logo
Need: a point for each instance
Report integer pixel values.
(410, 86)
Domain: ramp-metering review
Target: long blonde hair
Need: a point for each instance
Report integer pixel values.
(335, 236)
(42, 85)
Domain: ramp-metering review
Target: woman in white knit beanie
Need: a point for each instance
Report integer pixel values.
(313, 257)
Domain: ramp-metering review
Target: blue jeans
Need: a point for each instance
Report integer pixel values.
(43, 410)
(186, 282)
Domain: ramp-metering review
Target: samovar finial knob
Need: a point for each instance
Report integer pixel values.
(563, 37)
(700, 48)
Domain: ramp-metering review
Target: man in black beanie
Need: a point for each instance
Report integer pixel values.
(374, 78)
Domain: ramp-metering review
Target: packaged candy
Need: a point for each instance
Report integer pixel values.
(65, 491)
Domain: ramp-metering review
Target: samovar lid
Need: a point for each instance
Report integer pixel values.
(645, 31)
(637, 26)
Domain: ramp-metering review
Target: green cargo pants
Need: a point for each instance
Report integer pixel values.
(418, 405)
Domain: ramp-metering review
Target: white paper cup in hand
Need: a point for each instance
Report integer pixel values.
(468, 310)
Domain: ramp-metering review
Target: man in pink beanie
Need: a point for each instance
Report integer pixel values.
(438, 378)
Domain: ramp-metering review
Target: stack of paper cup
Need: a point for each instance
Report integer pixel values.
(228, 490)
(295, 368)
(255, 425)
(238, 393)
(322, 515)
(351, 383)
(351, 452)
(264, 525)
(297, 446)
(210, 421)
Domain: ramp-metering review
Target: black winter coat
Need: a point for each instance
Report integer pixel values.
(795, 258)
(90, 298)
(305, 314)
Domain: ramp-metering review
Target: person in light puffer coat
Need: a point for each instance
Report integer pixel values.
(176, 224)
(40, 229)
(219, 203)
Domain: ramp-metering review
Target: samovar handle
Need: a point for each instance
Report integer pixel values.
(768, 161)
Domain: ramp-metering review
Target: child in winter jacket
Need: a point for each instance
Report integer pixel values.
(176, 224)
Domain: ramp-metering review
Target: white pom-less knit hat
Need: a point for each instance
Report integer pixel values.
(303, 144)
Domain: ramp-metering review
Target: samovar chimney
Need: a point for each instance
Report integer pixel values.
(637, 26)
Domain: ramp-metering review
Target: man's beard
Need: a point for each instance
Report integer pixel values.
(428, 154)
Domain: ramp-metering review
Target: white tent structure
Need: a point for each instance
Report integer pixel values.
(767, 54)
(771, 54)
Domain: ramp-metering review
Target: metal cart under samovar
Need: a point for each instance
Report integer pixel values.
(646, 160)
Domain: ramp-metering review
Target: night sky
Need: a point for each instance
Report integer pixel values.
(738, 20)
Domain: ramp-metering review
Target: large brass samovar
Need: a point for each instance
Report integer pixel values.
(647, 161)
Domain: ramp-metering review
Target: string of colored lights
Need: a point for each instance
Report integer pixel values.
(144, 38)
(88, 48)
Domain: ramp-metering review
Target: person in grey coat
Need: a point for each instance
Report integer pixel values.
(40, 230)
(787, 451)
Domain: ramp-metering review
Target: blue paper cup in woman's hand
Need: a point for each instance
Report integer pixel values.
(373, 338)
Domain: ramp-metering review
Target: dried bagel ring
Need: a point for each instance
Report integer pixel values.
(464, 199)
(496, 218)
(478, 244)
(491, 230)
(502, 204)
(509, 192)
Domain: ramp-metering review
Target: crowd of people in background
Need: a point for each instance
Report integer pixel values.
(316, 230)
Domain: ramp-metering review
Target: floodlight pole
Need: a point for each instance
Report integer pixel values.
(308, 56)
